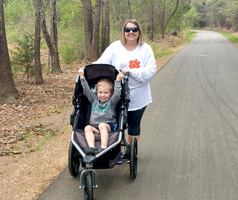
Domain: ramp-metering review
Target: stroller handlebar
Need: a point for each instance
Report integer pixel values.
(126, 76)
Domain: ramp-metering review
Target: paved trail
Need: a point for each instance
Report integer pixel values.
(189, 144)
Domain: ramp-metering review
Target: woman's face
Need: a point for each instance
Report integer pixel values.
(131, 36)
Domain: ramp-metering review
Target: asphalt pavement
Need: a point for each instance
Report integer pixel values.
(188, 148)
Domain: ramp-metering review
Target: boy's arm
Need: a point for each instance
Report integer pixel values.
(81, 73)
(117, 92)
(120, 76)
(117, 88)
(86, 90)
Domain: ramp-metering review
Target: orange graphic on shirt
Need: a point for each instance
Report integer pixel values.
(134, 64)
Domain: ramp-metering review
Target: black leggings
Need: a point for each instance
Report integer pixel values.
(133, 120)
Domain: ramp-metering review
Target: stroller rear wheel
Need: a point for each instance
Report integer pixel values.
(88, 186)
(133, 158)
(73, 160)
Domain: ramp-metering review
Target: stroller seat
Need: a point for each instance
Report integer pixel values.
(109, 159)
(79, 137)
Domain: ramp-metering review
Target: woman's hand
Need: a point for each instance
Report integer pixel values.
(81, 73)
(125, 70)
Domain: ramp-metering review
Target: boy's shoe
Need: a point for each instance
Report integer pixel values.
(128, 161)
(120, 160)
(90, 151)
(99, 150)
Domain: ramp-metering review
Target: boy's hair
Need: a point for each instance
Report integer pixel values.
(105, 83)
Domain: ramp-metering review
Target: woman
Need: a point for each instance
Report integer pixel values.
(131, 54)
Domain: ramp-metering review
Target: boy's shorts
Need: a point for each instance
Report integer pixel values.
(112, 126)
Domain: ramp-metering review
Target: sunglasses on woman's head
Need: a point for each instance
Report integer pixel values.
(134, 29)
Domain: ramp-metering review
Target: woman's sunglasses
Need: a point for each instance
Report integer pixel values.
(134, 29)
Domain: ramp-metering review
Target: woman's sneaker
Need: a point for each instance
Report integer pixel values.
(120, 160)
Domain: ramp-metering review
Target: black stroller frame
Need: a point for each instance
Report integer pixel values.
(80, 118)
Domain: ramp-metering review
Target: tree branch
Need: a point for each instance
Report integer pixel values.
(177, 4)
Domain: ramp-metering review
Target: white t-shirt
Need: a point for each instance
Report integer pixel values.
(142, 70)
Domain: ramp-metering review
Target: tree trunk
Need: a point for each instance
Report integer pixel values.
(172, 14)
(38, 71)
(151, 25)
(53, 51)
(96, 29)
(121, 13)
(105, 34)
(129, 8)
(88, 26)
(53, 23)
(7, 86)
(54, 36)
(163, 20)
(116, 13)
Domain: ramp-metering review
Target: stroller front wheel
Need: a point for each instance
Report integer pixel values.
(133, 158)
(88, 186)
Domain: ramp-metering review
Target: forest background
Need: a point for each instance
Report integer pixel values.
(66, 35)
(75, 30)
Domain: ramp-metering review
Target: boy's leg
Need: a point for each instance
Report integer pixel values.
(90, 138)
(104, 129)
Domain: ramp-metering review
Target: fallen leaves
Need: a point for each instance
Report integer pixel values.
(34, 102)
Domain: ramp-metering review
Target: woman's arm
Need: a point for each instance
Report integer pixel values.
(146, 73)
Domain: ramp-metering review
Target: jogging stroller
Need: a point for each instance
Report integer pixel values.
(80, 118)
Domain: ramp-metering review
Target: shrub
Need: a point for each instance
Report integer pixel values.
(23, 57)
(68, 54)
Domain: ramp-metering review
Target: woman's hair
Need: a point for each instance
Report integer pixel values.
(105, 83)
(140, 39)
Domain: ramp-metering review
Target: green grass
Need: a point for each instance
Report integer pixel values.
(161, 54)
(17, 147)
(161, 50)
(231, 37)
(189, 35)
(3, 172)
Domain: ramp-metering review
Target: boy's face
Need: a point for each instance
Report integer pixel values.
(103, 93)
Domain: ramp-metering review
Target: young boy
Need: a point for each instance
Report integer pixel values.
(103, 114)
